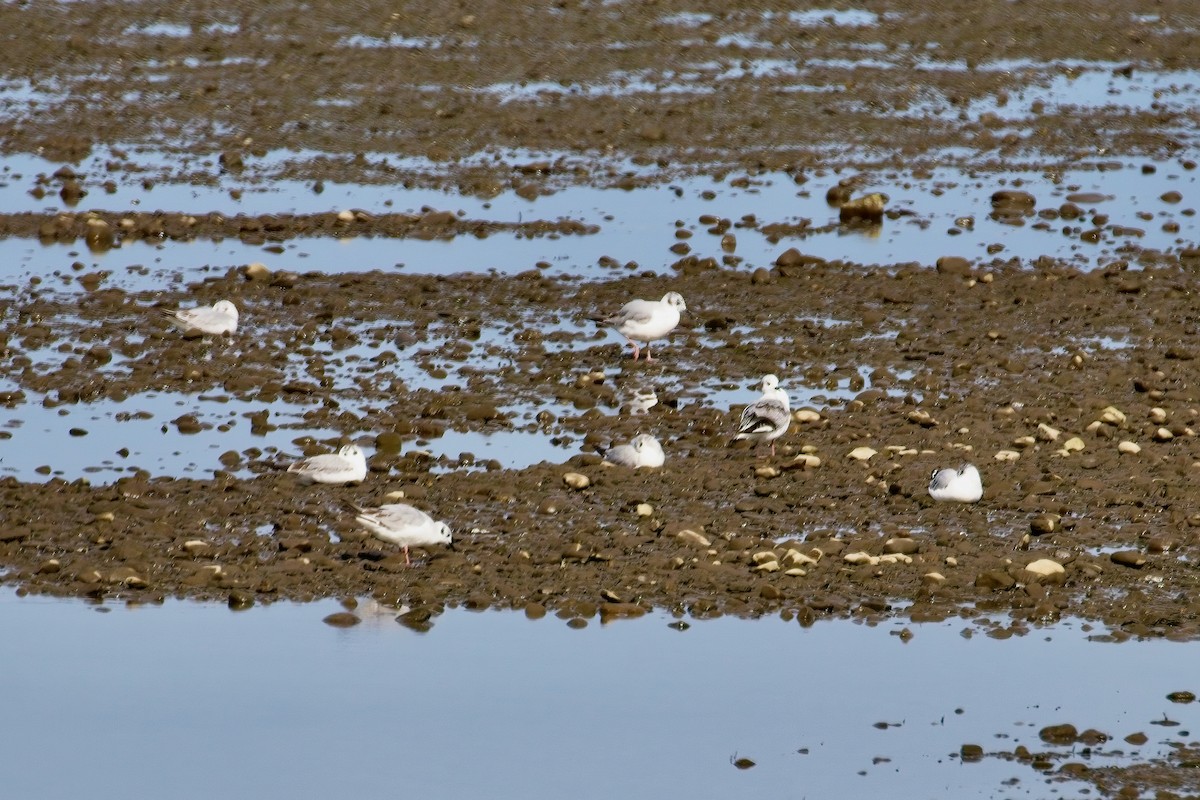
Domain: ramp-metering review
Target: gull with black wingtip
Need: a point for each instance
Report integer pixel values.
(962, 485)
(768, 417)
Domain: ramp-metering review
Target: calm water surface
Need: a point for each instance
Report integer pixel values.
(191, 700)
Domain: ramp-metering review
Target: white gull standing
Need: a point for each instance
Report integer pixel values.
(399, 523)
(643, 451)
(961, 485)
(768, 417)
(347, 465)
(221, 317)
(646, 320)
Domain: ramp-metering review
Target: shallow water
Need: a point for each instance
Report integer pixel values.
(637, 225)
(190, 700)
(193, 697)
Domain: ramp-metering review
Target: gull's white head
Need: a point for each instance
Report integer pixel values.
(352, 452)
(675, 301)
(227, 308)
(642, 441)
(443, 533)
(770, 383)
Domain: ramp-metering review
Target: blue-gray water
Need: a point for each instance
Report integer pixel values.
(196, 701)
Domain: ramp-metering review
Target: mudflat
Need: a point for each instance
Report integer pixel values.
(1072, 386)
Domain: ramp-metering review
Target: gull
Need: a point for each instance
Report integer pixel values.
(399, 523)
(767, 418)
(646, 320)
(220, 317)
(643, 451)
(961, 485)
(642, 401)
(347, 465)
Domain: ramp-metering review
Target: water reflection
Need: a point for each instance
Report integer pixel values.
(187, 697)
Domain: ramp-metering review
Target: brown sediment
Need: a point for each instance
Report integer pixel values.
(967, 361)
(961, 368)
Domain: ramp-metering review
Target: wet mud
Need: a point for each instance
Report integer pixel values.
(1075, 390)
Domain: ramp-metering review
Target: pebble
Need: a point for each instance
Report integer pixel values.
(1128, 558)
(1129, 448)
(1013, 197)
(645, 510)
(994, 579)
(240, 599)
(417, 619)
(903, 545)
(794, 557)
(933, 578)
(1163, 435)
(806, 416)
(805, 461)
(1044, 523)
(953, 265)
(1073, 445)
(922, 418)
(1158, 416)
(1048, 434)
(1045, 567)
(195, 547)
(256, 271)
(692, 537)
(1161, 544)
(610, 611)
(1112, 416)
(342, 619)
(577, 480)
(127, 576)
(1059, 734)
(1007, 455)
(868, 208)
(863, 453)
(99, 234)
